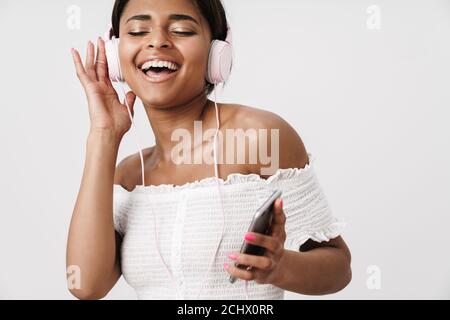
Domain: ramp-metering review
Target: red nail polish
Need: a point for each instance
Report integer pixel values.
(249, 237)
(232, 256)
(226, 266)
(281, 203)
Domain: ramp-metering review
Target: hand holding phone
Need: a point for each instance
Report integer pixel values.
(261, 223)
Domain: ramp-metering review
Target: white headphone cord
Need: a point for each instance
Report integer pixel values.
(216, 172)
(155, 233)
(114, 40)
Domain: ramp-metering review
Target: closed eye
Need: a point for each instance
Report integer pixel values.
(184, 33)
(143, 33)
(137, 34)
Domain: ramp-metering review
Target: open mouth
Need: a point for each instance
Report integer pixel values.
(159, 68)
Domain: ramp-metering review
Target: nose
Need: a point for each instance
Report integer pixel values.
(158, 39)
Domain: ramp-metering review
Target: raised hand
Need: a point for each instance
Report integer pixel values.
(106, 112)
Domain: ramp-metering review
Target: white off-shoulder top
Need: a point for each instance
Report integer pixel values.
(189, 226)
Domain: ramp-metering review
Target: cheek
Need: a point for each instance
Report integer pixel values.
(128, 52)
(196, 60)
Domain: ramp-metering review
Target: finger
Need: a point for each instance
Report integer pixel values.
(259, 262)
(89, 66)
(270, 243)
(239, 273)
(130, 99)
(279, 221)
(101, 64)
(81, 73)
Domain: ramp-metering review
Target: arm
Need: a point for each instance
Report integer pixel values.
(319, 268)
(92, 239)
(92, 243)
(323, 269)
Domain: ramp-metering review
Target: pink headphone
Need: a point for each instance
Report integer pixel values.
(219, 63)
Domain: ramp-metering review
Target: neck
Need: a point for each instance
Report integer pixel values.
(165, 121)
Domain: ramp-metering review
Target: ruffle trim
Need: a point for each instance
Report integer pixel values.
(326, 234)
(232, 179)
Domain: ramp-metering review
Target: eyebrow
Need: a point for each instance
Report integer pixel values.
(173, 17)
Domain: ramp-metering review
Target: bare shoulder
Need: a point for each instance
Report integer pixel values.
(291, 151)
(127, 168)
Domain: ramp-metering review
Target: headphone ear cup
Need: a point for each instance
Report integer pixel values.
(219, 62)
(112, 51)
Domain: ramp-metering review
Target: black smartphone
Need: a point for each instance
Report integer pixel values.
(261, 223)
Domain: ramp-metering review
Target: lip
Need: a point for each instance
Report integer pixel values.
(158, 78)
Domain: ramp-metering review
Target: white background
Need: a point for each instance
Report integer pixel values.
(371, 105)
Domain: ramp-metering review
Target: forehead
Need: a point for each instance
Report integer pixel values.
(160, 9)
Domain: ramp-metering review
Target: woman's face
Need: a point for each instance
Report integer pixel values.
(163, 30)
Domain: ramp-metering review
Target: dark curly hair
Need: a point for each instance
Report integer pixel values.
(212, 10)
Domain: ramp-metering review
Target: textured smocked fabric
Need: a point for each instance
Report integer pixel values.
(188, 226)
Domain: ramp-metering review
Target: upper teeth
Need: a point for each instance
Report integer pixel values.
(159, 64)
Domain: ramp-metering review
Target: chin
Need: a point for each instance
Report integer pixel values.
(156, 95)
(158, 99)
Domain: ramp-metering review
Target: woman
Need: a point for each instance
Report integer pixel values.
(120, 227)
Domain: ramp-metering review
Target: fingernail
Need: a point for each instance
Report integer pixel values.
(249, 237)
(226, 266)
(281, 203)
(232, 256)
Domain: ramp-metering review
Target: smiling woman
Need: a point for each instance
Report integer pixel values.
(190, 25)
(166, 51)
